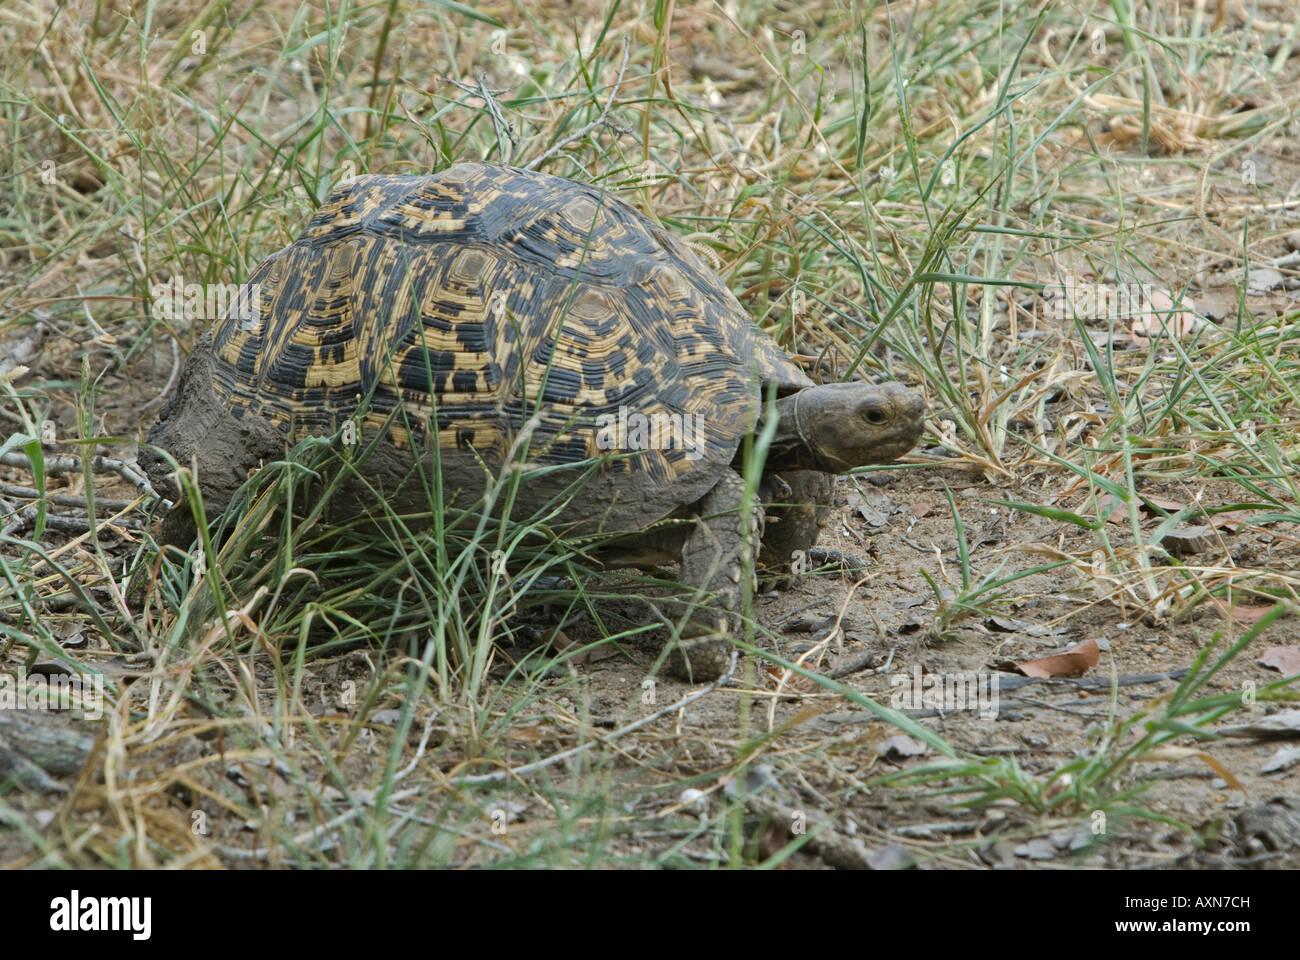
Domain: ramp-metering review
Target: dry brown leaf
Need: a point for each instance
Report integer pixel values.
(1220, 521)
(1230, 520)
(1182, 541)
(1246, 613)
(1170, 752)
(1160, 318)
(1119, 511)
(1074, 662)
(1285, 660)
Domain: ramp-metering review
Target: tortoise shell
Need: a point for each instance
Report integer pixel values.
(458, 308)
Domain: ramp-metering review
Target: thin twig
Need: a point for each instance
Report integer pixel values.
(424, 742)
(302, 839)
(835, 848)
(65, 499)
(26, 518)
(239, 853)
(307, 836)
(499, 123)
(165, 392)
(602, 120)
(101, 464)
(836, 632)
(605, 740)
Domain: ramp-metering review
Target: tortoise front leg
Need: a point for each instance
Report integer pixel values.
(713, 559)
(799, 502)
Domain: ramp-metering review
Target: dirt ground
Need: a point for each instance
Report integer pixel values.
(245, 772)
(883, 621)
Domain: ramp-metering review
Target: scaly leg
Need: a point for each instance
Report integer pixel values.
(805, 498)
(713, 560)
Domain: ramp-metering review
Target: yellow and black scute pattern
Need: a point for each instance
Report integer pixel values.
(485, 297)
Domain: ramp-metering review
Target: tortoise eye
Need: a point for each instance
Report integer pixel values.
(875, 416)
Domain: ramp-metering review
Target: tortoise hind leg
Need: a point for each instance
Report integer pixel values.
(713, 559)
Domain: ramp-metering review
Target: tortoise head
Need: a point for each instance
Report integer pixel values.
(838, 426)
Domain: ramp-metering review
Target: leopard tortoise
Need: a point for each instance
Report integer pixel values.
(487, 309)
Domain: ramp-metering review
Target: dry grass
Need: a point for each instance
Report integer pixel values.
(940, 192)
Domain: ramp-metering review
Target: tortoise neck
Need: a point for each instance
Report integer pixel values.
(791, 449)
